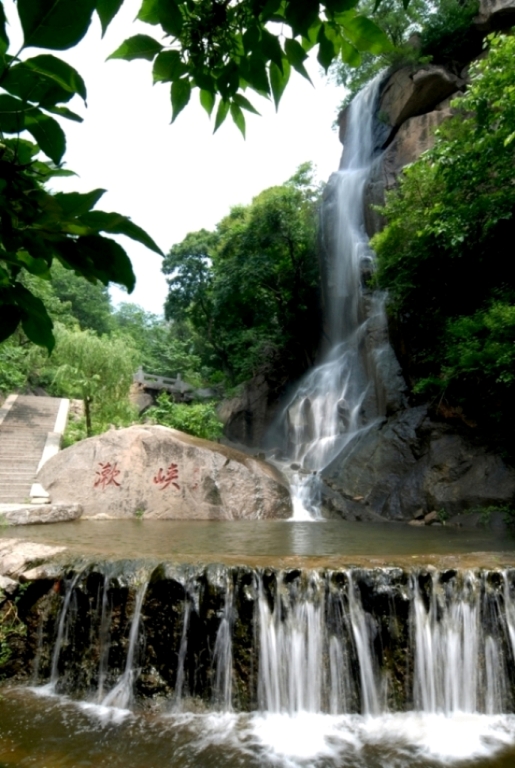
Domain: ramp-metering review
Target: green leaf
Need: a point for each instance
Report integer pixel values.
(10, 316)
(137, 47)
(116, 224)
(326, 51)
(244, 103)
(76, 203)
(54, 24)
(301, 15)
(221, 113)
(59, 71)
(168, 67)
(48, 134)
(33, 265)
(170, 17)
(253, 71)
(271, 48)
(97, 257)
(229, 79)
(279, 80)
(65, 112)
(149, 12)
(207, 99)
(31, 86)
(4, 40)
(12, 114)
(366, 36)
(35, 319)
(180, 93)
(339, 6)
(349, 54)
(238, 117)
(295, 53)
(107, 10)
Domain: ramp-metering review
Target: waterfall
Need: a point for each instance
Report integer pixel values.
(120, 696)
(337, 399)
(290, 642)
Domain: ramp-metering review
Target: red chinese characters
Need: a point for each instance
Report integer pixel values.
(106, 475)
(166, 479)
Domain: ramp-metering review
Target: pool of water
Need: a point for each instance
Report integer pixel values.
(254, 539)
(52, 732)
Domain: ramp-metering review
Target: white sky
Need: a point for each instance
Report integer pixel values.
(174, 179)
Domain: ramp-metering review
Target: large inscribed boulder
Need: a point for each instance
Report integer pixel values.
(163, 473)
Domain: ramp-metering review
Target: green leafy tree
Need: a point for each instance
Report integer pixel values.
(164, 348)
(97, 370)
(442, 255)
(89, 302)
(250, 289)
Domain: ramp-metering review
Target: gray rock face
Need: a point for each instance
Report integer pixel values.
(45, 513)
(16, 555)
(163, 473)
(410, 465)
(247, 416)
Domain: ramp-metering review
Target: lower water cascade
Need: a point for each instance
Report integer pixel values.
(352, 657)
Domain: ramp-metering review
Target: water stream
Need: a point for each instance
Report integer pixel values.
(234, 666)
(337, 399)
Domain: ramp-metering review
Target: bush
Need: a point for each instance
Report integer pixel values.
(442, 255)
(198, 419)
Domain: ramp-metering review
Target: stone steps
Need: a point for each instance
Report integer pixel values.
(25, 424)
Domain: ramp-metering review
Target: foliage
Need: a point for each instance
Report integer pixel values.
(164, 348)
(224, 48)
(448, 226)
(90, 303)
(75, 431)
(220, 48)
(198, 419)
(37, 226)
(398, 23)
(420, 32)
(448, 35)
(99, 371)
(249, 289)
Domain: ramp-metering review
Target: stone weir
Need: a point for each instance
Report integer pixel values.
(197, 637)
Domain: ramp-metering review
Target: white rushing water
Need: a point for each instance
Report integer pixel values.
(325, 685)
(326, 411)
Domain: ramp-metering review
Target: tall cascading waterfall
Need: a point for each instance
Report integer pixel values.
(294, 641)
(339, 397)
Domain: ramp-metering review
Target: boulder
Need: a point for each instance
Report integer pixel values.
(16, 555)
(45, 513)
(413, 91)
(409, 466)
(163, 473)
(247, 416)
(495, 15)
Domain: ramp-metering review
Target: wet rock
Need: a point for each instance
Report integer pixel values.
(44, 513)
(163, 473)
(247, 416)
(410, 466)
(431, 517)
(7, 585)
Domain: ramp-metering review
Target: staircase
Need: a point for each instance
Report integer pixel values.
(30, 432)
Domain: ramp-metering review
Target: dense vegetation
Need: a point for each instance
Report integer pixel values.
(249, 290)
(220, 49)
(444, 253)
(421, 32)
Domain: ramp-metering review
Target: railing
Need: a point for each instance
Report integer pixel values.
(152, 381)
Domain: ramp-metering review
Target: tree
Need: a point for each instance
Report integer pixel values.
(89, 302)
(98, 370)
(219, 47)
(250, 289)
